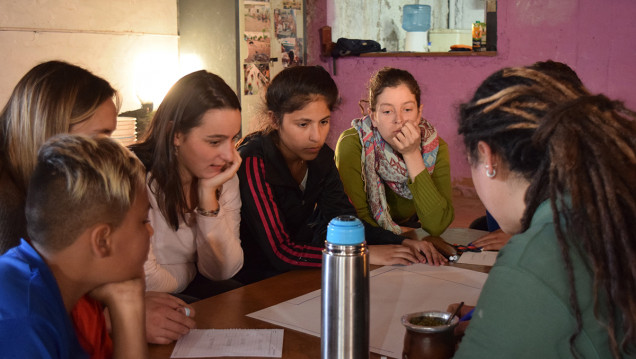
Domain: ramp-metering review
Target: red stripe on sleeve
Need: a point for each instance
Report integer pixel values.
(270, 215)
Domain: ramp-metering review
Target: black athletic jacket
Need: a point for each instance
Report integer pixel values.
(282, 227)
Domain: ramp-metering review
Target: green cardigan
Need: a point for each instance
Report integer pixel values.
(432, 194)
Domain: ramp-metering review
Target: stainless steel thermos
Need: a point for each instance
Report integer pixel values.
(345, 291)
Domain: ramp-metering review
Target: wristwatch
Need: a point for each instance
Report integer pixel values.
(203, 212)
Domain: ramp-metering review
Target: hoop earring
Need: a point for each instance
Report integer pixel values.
(489, 173)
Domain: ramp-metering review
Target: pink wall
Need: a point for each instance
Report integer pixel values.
(596, 38)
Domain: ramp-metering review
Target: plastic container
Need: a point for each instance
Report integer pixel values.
(416, 20)
(479, 36)
(443, 39)
(344, 329)
(416, 17)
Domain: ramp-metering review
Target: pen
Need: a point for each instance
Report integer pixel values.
(445, 249)
(467, 316)
(459, 307)
(473, 248)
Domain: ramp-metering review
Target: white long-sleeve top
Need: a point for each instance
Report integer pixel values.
(212, 245)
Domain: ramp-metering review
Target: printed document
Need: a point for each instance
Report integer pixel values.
(230, 342)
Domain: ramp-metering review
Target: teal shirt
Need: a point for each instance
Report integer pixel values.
(524, 309)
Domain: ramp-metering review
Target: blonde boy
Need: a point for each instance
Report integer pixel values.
(88, 232)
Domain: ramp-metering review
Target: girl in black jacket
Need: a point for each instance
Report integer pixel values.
(291, 189)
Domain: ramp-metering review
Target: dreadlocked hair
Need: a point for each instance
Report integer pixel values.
(579, 151)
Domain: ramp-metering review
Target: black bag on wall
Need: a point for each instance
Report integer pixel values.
(352, 47)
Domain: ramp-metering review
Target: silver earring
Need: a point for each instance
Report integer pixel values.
(489, 173)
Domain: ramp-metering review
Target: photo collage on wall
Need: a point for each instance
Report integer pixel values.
(258, 38)
(285, 26)
(285, 45)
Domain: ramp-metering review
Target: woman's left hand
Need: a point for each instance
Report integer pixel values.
(208, 187)
(408, 139)
(217, 181)
(425, 252)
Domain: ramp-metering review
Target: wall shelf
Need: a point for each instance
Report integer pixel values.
(430, 54)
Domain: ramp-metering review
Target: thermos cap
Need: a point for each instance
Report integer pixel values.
(345, 230)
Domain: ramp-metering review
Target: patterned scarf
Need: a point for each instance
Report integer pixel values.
(381, 164)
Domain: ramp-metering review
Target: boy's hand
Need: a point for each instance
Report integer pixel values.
(126, 293)
(124, 316)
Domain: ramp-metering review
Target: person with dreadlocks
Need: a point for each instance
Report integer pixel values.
(555, 165)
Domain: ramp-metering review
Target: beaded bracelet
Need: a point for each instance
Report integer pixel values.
(203, 212)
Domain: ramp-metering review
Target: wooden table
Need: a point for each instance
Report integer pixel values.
(228, 310)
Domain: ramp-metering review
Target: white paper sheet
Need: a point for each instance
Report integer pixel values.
(394, 291)
(485, 258)
(230, 342)
(461, 236)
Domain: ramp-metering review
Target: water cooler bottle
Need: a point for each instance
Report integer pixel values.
(416, 20)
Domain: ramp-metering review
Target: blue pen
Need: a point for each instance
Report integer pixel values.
(467, 316)
(472, 245)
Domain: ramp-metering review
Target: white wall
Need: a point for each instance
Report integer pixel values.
(132, 44)
(379, 20)
(205, 35)
(463, 13)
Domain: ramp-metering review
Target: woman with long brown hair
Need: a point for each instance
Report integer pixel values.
(195, 202)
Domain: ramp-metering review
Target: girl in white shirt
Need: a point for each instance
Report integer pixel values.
(195, 202)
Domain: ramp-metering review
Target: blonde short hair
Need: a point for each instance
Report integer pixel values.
(78, 182)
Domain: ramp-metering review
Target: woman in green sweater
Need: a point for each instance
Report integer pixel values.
(402, 178)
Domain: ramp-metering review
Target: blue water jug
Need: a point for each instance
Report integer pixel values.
(416, 17)
(416, 20)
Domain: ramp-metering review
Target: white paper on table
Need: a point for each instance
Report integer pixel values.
(394, 291)
(462, 236)
(484, 258)
(230, 342)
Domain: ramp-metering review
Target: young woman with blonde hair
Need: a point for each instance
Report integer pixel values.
(52, 98)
